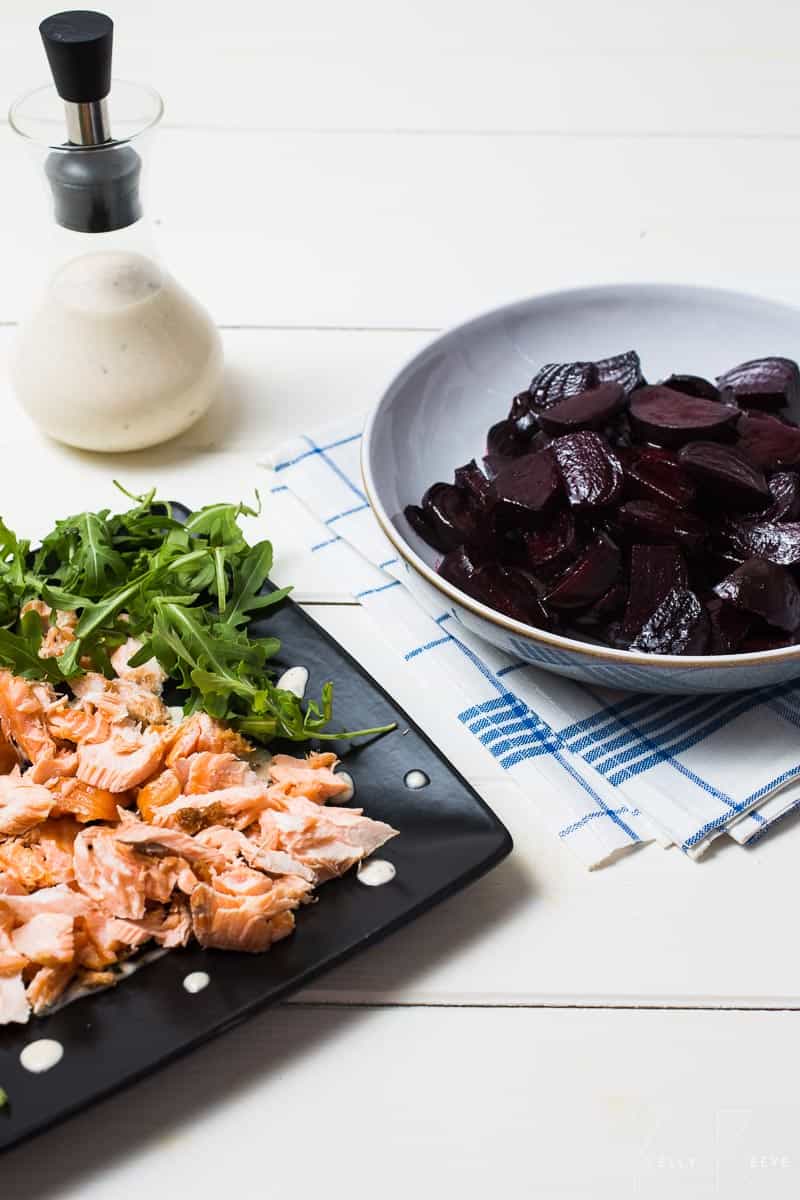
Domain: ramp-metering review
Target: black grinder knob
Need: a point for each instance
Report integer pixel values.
(94, 180)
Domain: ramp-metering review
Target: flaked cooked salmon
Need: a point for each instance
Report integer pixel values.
(120, 828)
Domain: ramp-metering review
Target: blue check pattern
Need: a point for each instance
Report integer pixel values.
(608, 769)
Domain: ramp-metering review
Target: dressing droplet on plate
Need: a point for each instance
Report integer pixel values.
(294, 680)
(376, 872)
(416, 780)
(196, 981)
(347, 796)
(41, 1055)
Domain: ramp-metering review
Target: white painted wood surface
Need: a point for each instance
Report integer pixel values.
(337, 183)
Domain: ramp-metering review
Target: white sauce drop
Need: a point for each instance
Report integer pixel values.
(195, 982)
(416, 780)
(42, 1055)
(346, 797)
(376, 872)
(295, 681)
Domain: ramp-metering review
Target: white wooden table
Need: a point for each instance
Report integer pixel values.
(338, 182)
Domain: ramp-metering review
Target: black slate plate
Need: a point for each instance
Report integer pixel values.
(448, 837)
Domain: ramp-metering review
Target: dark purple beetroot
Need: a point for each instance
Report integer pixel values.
(767, 442)
(555, 381)
(679, 625)
(523, 416)
(778, 544)
(551, 550)
(764, 639)
(770, 383)
(668, 418)
(610, 606)
(472, 479)
(647, 521)
(729, 626)
(449, 517)
(657, 475)
(618, 433)
(503, 588)
(505, 439)
(784, 487)
(724, 473)
(693, 385)
(764, 589)
(591, 471)
(593, 574)
(624, 369)
(655, 570)
(461, 568)
(585, 410)
(526, 489)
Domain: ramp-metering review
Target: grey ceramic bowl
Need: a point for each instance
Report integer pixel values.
(435, 414)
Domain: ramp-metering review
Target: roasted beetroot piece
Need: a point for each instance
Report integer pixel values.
(593, 574)
(555, 381)
(421, 525)
(655, 570)
(526, 489)
(757, 643)
(770, 383)
(729, 626)
(767, 442)
(610, 606)
(451, 514)
(461, 568)
(724, 473)
(784, 488)
(549, 551)
(522, 415)
(505, 439)
(647, 521)
(512, 593)
(585, 410)
(679, 625)
(764, 539)
(624, 369)
(764, 589)
(657, 475)
(472, 479)
(668, 418)
(591, 471)
(693, 385)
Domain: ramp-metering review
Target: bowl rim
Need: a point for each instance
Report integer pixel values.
(506, 624)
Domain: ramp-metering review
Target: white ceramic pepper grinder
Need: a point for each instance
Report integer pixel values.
(115, 355)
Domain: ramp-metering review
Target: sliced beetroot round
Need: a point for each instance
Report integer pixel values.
(764, 589)
(784, 488)
(647, 521)
(668, 418)
(555, 381)
(655, 571)
(724, 473)
(526, 489)
(591, 471)
(585, 410)
(624, 369)
(679, 625)
(654, 474)
(729, 626)
(551, 550)
(505, 439)
(593, 574)
(767, 442)
(764, 539)
(770, 383)
(693, 385)
(419, 522)
(453, 515)
(472, 479)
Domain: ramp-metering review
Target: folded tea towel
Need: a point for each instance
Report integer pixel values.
(607, 771)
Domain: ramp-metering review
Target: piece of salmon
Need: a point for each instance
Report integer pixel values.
(23, 708)
(149, 675)
(108, 939)
(162, 789)
(59, 899)
(22, 804)
(245, 923)
(119, 700)
(201, 732)
(171, 928)
(235, 845)
(46, 939)
(329, 840)
(171, 841)
(78, 724)
(206, 771)
(47, 985)
(313, 777)
(126, 759)
(239, 806)
(42, 857)
(86, 802)
(14, 1006)
(109, 873)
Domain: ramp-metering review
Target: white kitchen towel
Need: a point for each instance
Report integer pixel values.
(607, 770)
